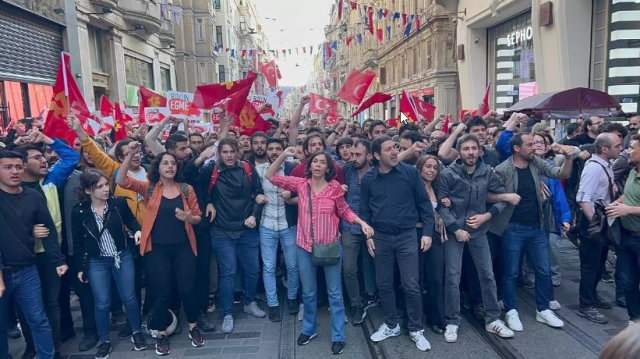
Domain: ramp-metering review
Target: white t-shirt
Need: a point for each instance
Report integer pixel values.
(140, 175)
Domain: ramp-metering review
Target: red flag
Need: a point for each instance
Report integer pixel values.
(119, 128)
(425, 109)
(377, 97)
(318, 104)
(354, 5)
(418, 23)
(393, 122)
(445, 124)
(250, 120)
(380, 35)
(485, 100)
(407, 108)
(328, 49)
(106, 107)
(355, 86)
(404, 20)
(370, 17)
(349, 39)
(228, 95)
(149, 98)
(340, 4)
(66, 99)
(271, 73)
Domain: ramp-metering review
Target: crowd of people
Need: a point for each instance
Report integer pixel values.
(418, 220)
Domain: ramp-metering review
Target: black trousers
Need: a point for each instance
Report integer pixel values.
(202, 268)
(163, 263)
(432, 272)
(593, 256)
(50, 290)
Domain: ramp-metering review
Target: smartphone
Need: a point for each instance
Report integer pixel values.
(28, 123)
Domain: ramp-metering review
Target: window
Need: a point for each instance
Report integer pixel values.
(243, 25)
(138, 72)
(416, 60)
(203, 73)
(244, 74)
(221, 76)
(200, 30)
(165, 77)
(219, 36)
(216, 4)
(97, 51)
(429, 54)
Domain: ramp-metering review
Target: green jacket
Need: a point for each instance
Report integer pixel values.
(507, 172)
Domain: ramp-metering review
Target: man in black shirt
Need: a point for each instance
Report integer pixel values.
(394, 200)
(22, 210)
(590, 130)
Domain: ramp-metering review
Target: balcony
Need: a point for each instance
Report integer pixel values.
(166, 34)
(370, 58)
(108, 3)
(142, 12)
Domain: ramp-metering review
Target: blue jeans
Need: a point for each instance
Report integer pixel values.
(269, 249)
(231, 251)
(24, 286)
(99, 274)
(534, 242)
(333, 276)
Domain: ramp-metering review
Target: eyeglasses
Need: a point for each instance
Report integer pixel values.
(539, 143)
(36, 157)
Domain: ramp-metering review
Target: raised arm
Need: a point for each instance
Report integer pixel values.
(151, 139)
(59, 172)
(431, 126)
(295, 119)
(275, 166)
(447, 153)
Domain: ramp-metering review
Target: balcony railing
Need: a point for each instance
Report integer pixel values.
(167, 34)
(142, 12)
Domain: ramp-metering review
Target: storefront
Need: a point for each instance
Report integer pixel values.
(28, 62)
(511, 64)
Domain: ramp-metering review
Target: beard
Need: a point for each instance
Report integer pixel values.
(260, 155)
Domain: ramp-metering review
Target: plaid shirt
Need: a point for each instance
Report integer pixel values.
(328, 207)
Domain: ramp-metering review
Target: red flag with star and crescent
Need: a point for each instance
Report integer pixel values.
(318, 104)
(355, 86)
(377, 97)
(67, 98)
(425, 109)
(271, 73)
(230, 96)
(149, 98)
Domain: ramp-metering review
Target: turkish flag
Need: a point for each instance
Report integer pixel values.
(445, 124)
(485, 100)
(120, 130)
(271, 73)
(425, 109)
(229, 95)
(407, 108)
(318, 104)
(377, 97)
(250, 120)
(355, 86)
(149, 98)
(332, 118)
(66, 99)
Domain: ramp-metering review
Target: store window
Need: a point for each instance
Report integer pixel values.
(511, 65)
(138, 72)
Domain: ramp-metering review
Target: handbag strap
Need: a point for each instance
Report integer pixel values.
(310, 214)
(611, 195)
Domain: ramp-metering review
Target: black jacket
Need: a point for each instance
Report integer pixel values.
(233, 195)
(85, 229)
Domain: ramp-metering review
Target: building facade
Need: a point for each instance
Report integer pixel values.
(525, 47)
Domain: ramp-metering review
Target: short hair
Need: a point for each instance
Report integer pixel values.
(258, 134)
(609, 127)
(344, 141)
(271, 140)
(154, 169)
(603, 140)
(174, 139)
(125, 142)
(314, 129)
(307, 140)
(376, 147)
(475, 122)
(467, 138)
(331, 168)
(375, 123)
(414, 136)
(24, 150)
(10, 155)
(587, 122)
(572, 128)
(635, 137)
(365, 143)
(409, 126)
(196, 134)
(229, 142)
(516, 140)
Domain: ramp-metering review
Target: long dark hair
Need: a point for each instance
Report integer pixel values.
(154, 169)
(423, 160)
(88, 181)
(331, 168)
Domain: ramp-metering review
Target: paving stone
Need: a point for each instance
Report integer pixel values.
(240, 350)
(202, 352)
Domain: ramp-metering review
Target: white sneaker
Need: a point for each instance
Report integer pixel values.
(513, 320)
(498, 327)
(301, 312)
(385, 332)
(549, 318)
(451, 333)
(554, 305)
(421, 342)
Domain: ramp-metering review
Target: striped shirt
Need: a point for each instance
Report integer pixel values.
(328, 207)
(106, 243)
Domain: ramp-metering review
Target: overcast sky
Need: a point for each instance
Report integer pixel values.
(297, 23)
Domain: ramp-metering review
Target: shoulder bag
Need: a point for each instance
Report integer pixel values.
(322, 254)
(600, 228)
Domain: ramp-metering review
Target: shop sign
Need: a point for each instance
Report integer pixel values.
(517, 37)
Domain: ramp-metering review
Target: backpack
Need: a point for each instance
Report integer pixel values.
(183, 187)
(215, 175)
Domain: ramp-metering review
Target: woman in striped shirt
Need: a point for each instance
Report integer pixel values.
(328, 207)
(99, 223)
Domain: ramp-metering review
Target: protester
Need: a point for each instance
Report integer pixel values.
(320, 205)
